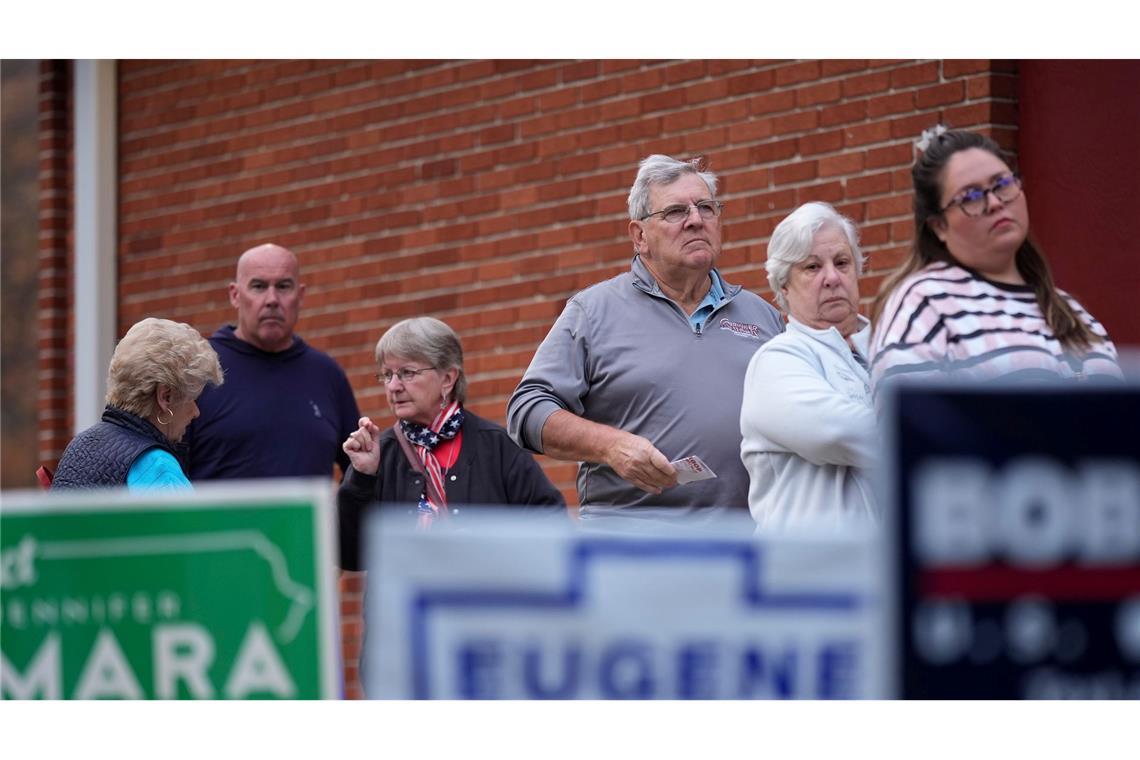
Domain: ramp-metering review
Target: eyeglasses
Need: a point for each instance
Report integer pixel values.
(977, 201)
(680, 212)
(406, 374)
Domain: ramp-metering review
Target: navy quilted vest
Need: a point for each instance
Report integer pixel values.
(102, 455)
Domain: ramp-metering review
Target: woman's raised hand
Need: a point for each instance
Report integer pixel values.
(363, 447)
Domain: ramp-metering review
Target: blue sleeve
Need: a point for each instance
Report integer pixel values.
(156, 469)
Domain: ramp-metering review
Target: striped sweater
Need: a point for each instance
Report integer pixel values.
(948, 321)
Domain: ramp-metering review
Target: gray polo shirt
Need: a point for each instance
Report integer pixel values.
(625, 355)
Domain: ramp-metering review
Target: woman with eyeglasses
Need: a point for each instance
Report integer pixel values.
(975, 299)
(438, 454)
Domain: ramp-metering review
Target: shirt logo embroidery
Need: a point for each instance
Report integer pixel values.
(741, 328)
(316, 409)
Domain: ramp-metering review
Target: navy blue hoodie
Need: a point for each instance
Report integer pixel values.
(282, 414)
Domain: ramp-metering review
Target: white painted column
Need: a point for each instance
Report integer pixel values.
(96, 239)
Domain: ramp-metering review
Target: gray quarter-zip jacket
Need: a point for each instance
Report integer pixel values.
(625, 355)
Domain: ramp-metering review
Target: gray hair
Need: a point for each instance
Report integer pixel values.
(663, 170)
(792, 240)
(158, 351)
(429, 340)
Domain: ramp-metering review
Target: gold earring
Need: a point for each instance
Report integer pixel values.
(165, 422)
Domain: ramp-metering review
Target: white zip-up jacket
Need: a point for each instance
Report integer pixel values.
(808, 427)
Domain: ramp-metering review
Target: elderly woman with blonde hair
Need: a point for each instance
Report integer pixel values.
(807, 419)
(157, 372)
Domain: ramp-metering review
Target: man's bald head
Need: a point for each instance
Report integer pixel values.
(265, 253)
(267, 294)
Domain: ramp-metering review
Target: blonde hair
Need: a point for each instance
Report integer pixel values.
(158, 351)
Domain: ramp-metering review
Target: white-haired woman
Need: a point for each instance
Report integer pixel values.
(807, 418)
(437, 453)
(157, 372)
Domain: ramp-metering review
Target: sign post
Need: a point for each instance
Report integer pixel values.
(223, 593)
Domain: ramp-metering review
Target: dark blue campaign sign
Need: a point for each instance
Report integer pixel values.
(1016, 522)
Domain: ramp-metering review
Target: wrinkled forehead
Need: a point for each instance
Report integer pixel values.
(830, 239)
(685, 189)
(269, 264)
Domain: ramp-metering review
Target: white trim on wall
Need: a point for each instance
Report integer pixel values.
(96, 203)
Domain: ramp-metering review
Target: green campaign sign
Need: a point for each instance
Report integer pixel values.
(223, 593)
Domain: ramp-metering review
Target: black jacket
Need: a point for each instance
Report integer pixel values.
(491, 469)
(102, 455)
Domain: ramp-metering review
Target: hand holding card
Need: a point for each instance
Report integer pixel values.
(691, 468)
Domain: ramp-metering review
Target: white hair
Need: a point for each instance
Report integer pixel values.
(792, 241)
(663, 170)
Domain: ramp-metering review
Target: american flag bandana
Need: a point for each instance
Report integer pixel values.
(445, 427)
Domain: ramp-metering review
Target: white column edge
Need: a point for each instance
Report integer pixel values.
(96, 215)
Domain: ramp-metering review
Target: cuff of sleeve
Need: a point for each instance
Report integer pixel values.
(358, 483)
(535, 421)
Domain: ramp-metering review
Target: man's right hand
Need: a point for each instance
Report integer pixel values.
(567, 436)
(363, 447)
(637, 460)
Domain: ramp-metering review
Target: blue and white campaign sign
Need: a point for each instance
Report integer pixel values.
(504, 607)
(1015, 525)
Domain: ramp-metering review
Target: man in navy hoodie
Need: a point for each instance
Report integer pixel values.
(285, 408)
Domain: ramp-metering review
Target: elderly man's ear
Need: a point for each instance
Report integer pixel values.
(637, 235)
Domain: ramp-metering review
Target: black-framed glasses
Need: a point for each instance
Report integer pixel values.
(680, 211)
(406, 374)
(977, 201)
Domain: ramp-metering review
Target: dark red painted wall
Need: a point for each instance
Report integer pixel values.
(1079, 149)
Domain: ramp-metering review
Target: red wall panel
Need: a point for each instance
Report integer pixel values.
(1080, 154)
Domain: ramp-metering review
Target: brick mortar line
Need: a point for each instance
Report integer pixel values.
(441, 90)
(142, 134)
(463, 153)
(147, 93)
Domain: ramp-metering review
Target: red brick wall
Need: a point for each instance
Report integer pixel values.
(1078, 155)
(486, 193)
(54, 301)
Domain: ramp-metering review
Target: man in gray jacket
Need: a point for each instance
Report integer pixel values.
(648, 367)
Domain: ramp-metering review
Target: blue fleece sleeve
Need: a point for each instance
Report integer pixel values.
(156, 469)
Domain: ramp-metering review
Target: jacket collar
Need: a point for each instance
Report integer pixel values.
(861, 337)
(644, 280)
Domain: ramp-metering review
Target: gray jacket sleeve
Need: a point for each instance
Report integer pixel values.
(558, 378)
